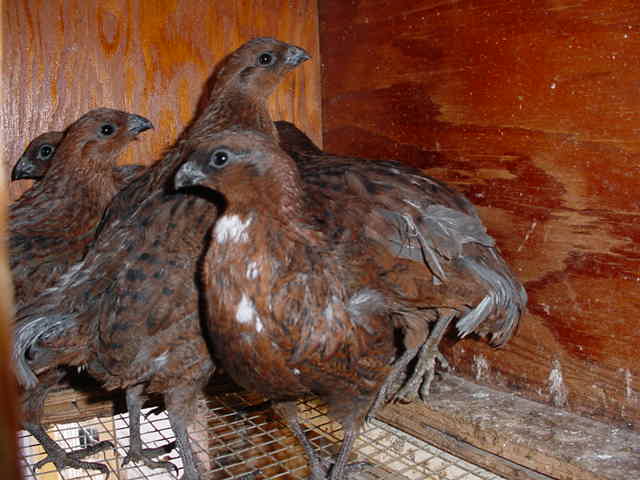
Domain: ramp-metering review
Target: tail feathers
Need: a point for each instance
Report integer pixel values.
(504, 304)
(470, 321)
(27, 334)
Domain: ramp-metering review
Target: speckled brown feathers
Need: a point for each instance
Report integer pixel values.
(133, 303)
(424, 241)
(286, 316)
(51, 225)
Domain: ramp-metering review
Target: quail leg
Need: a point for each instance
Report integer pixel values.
(398, 367)
(424, 372)
(415, 335)
(179, 409)
(289, 412)
(341, 470)
(62, 459)
(319, 468)
(136, 453)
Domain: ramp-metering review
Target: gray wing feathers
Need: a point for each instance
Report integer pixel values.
(408, 241)
(450, 229)
(438, 232)
(26, 334)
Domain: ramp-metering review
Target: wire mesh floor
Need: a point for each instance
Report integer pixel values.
(235, 438)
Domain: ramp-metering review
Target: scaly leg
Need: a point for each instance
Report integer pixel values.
(424, 372)
(62, 459)
(136, 453)
(319, 467)
(289, 412)
(178, 419)
(341, 469)
(398, 366)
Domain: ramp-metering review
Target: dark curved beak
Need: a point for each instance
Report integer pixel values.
(295, 56)
(137, 124)
(189, 174)
(23, 169)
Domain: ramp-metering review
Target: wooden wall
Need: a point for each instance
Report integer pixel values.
(8, 388)
(531, 108)
(64, 57)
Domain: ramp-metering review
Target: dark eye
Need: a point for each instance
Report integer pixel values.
(107, 129)
(265, 59)
(46, 151)
(219, 158)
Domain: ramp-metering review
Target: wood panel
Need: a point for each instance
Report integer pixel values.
(531, 109)
(8, 390)
(516, 438)
(64, 57)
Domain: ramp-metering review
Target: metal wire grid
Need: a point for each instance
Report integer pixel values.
(235, 437)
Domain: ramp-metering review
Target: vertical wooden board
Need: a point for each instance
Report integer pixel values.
(9, 395)
(64, 57)
(531, 110)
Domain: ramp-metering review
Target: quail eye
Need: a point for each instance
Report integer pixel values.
(265, 59)
(107, 129)
(46, 151)
(220, 158)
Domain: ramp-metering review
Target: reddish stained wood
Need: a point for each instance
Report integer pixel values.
(530, 109)
(63, 58)
(9, 396)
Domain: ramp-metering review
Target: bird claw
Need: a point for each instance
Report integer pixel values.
(419, 384)
(425, 389)
(62, 459)
(146, 454)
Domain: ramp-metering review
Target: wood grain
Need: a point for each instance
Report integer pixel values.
(9, 394)
(64, 57)
(517, 438)
(530, 109)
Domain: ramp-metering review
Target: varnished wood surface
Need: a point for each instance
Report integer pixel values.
(64, 57)
(531, 110)
(8, 391)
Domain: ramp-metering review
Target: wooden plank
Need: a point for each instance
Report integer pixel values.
(529, 108)
(517, 438)
(64, 57)
(9, 395)
(470, 453)
(70, 405)
(86, 400)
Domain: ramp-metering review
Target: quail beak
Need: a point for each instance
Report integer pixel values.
(22, 169)
(189, 174)
(137, 124)
(295, 56)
